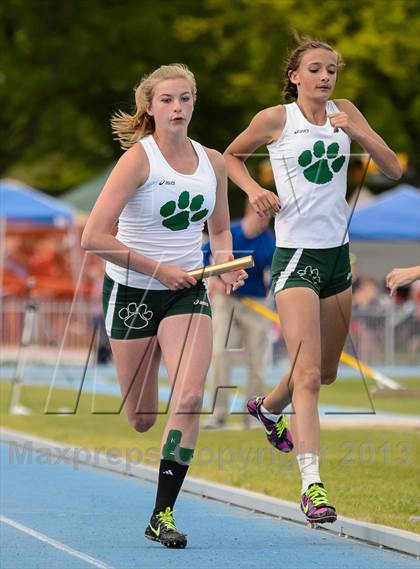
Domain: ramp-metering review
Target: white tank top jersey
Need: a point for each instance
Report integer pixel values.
(164, 219)
(309, 165)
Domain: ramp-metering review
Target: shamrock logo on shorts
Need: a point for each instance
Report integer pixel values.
(181, 219)
(321, 171)
(309, 274)
(136, 316)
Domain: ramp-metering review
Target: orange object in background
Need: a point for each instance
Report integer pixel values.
(46, 256)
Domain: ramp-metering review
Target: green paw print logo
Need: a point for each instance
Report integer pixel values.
(309, 274)
(321, 171)
(177, 220)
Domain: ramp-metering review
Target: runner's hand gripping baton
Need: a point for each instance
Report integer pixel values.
(213, 270)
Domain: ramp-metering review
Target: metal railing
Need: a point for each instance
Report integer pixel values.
(53, 320)
(384, 334)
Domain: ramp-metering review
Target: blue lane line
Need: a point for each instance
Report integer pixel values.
(272, 373)
(105, 383)
(104, 515)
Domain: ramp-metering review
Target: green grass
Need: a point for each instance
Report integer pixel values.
(371, 475)
(355, 394)
(352, 393)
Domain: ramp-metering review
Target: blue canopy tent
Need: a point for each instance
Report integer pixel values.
(386, 233)
(24, 210)
(20, 203)
(393, 216)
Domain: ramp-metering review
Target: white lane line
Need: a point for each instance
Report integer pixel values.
(56, 544)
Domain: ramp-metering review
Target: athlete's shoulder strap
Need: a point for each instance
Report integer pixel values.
(202, 154)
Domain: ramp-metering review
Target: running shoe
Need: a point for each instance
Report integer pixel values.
(162, 528)
(277, 432)
(315, 505)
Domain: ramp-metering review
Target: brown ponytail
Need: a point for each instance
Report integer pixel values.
(294, 58)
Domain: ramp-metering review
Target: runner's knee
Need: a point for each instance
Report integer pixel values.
(142, 423)
(308, 379)
(328, 377)
(191, 403)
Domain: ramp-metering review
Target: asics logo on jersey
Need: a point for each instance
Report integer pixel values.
(135, 316)
(167, 182)
(321, 171)
(301, 131)
(179, 215)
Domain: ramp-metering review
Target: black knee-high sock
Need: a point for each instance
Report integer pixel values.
(171, 477)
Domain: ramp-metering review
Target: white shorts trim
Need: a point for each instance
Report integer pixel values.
(111, 309)
(291, 266)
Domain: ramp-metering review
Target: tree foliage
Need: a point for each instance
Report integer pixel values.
(66, 66)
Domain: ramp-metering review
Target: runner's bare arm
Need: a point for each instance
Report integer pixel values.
(265, 127)
(352, 121)
(219, 225)
(219, 222)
